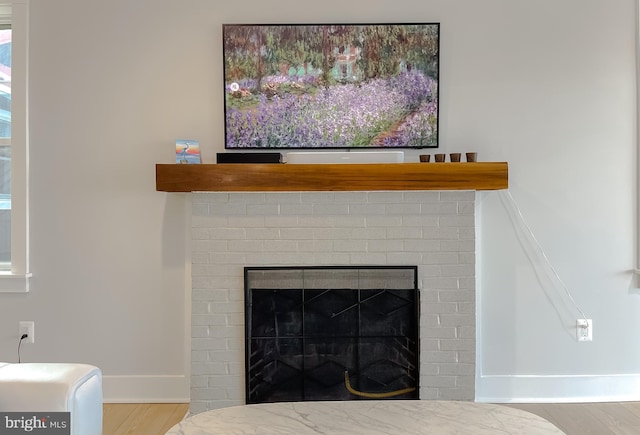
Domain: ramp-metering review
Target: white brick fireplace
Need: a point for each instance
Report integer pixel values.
(434, 230)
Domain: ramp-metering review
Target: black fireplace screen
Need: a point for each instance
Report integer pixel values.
(331, 333)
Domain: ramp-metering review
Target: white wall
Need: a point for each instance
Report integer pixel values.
(547, 85)
(561, 90)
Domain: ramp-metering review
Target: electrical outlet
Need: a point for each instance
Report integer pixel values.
(584, 330)
(28, 328)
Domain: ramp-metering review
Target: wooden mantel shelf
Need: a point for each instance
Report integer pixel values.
(331, 177)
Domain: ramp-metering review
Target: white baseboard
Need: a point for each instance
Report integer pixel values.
(489, 389)
(558, 389)
(146, 389)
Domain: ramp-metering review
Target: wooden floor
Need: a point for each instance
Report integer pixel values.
(141, 418)
(622, 418)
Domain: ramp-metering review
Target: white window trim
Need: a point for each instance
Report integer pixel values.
(637, 47)
(17, 280)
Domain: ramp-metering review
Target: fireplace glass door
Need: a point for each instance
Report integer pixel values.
(331, 333)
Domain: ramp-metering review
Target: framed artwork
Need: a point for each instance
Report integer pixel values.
(348, 86)
(187, 151)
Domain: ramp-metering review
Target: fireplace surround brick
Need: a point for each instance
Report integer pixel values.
(434, 230)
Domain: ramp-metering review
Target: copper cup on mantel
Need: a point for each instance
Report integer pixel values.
(471, 157)
(425, 157)
(439, 157)
(455, 157)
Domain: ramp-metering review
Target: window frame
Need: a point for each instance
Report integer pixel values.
(16, 280)
(637, 49)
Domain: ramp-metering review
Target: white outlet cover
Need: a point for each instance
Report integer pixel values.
(27, 327)
(584, 330)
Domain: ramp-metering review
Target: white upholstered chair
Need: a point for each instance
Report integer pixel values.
(55, 387)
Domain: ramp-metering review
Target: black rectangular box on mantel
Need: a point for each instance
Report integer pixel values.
(249, 157)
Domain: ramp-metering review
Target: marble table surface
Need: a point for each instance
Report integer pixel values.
(366, 417)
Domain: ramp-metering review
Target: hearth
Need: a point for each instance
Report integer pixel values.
(331, 333)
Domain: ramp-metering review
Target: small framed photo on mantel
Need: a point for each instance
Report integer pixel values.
(187, 151)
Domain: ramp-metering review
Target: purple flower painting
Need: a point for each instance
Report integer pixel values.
(331, 86)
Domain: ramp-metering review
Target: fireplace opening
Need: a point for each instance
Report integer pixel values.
(331, 333)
